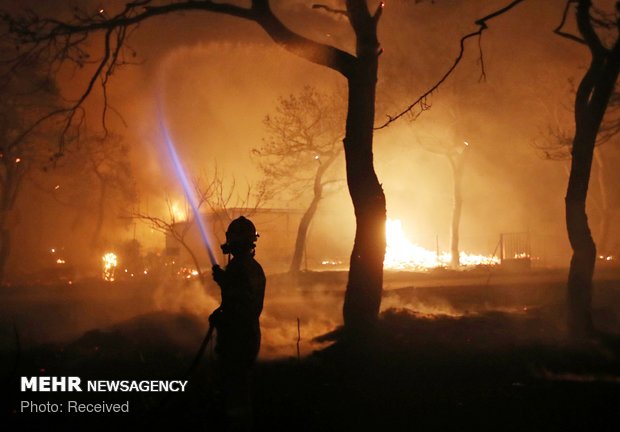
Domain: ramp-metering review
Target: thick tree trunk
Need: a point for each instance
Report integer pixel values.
(603, 231)
(579, 289)
(364, 288)
(456, 162)
(365, 285)
(591, 101)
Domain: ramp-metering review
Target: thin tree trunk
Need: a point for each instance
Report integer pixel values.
(304, 224)
(302, 233)
(456, 162)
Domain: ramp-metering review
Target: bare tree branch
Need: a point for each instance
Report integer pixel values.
(59, 42)
(558, 30)
(420, 102)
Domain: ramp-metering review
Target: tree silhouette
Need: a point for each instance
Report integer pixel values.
(556, 145)
(211, 193)
(27, 98)
(304, 141)
(591, 100)
(455, 151)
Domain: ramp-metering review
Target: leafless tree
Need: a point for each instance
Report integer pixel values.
(304, 140)
(170, 225)
(556, 143)
(455, 150)
(599, 32)
(421, 103)
(210, 193)
(222, 196)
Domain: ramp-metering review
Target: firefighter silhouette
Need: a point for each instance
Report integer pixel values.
(236, 321)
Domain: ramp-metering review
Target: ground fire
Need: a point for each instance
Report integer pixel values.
(110, 261)
(401, 254)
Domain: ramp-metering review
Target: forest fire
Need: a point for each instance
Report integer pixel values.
(401, 254)
(486, 127)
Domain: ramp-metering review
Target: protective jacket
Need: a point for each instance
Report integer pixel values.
(237, 319)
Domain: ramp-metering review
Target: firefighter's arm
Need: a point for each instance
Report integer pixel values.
(219, 275)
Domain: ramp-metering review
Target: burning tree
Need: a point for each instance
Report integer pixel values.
(599, 32)
(304, 142)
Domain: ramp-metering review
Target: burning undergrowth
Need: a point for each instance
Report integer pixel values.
(292, 316)
(298, 310)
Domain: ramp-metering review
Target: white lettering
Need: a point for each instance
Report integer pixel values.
(74, 384)
(59, 384)
(44, 384)
(29, 383)
(74, 406)
(136, 386)
(50, 384)
(33, 407)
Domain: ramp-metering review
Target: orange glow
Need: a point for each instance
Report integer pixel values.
(401, 254)
(178, 214)
(110, 261)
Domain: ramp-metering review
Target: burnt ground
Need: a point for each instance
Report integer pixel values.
(479, 354)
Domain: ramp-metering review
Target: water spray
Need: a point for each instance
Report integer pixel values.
(187, 188)
(193, 202)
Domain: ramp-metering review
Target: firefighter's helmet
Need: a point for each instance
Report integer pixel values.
(241, 233)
